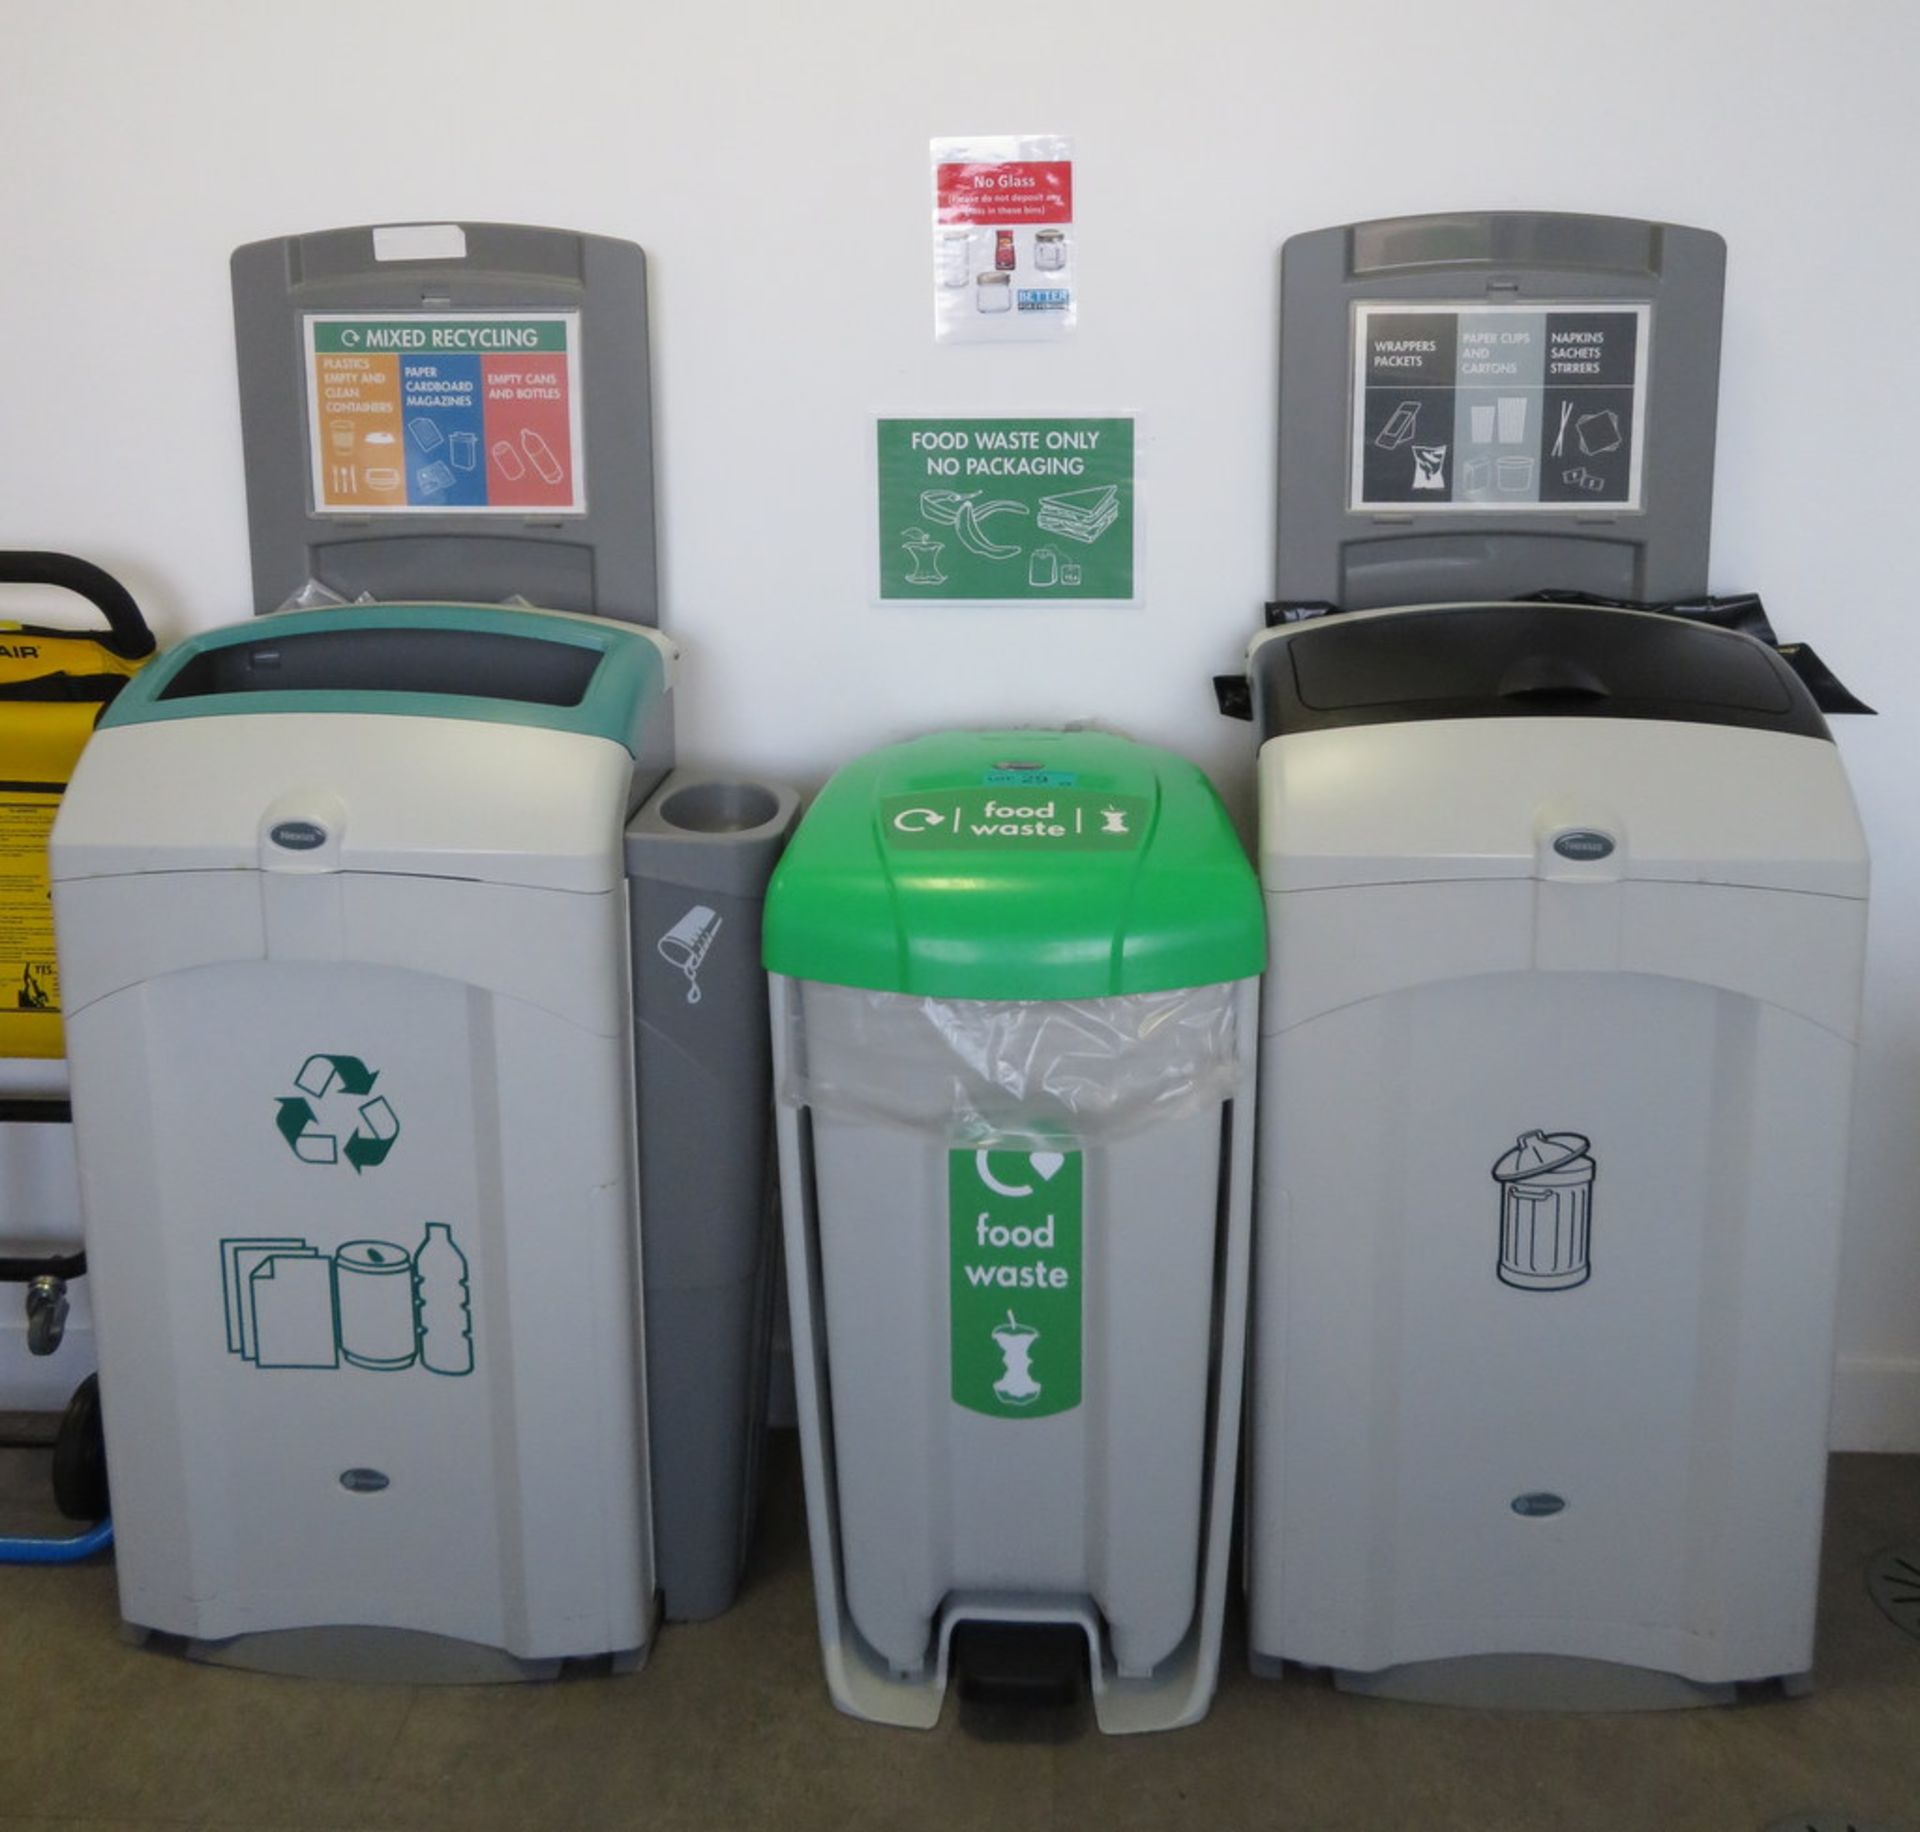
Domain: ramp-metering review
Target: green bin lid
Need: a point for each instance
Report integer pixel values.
(1016, 865)
(499, 664)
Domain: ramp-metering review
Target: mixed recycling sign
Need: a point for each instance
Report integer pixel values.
(985, 510)
(1502, 407)
(444, 413)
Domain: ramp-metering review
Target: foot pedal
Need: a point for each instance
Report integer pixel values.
(1029, 1666)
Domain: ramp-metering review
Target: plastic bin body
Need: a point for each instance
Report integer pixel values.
(972, 1453)
(1102, 1501)
(1632, 944)
(698, 858)
(350, 985)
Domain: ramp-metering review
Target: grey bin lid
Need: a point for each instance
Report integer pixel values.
(1521, 660)
(1537, 1154)
(597, 559)
(1566, 270)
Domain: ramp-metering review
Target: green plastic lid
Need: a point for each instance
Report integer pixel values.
(498, 664)
(1016, 865)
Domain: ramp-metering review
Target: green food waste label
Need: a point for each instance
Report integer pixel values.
(1014, 1328)
(1016, 819)
(984, 510)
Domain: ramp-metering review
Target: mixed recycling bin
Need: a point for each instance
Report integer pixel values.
(347, 937)
(1566, 910)
(1014, 1006)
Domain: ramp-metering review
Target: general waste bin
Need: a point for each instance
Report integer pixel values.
(1014, 1003)
(344, 930)
(1567, 910)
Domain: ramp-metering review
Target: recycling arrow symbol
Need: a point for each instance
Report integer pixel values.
(334, 1099)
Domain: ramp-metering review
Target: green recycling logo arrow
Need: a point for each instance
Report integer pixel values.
(334, 1099)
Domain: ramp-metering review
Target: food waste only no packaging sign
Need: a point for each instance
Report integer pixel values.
(986, 510)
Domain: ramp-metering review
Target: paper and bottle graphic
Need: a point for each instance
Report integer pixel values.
(1014, 1224)
(1546, 1211)
(370, 1304)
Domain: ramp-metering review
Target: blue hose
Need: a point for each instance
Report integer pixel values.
(57, 1551)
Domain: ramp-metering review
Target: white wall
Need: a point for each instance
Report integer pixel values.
(771, 158)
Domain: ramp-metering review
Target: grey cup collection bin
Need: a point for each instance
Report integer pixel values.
(699, 855)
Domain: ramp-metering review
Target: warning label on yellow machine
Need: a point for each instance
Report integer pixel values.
(28, 981)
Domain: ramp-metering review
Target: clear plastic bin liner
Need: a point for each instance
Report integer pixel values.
(987, 1067)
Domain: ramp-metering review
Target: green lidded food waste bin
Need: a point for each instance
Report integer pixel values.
(1015, 1020)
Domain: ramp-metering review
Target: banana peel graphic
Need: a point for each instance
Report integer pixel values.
(958, 511)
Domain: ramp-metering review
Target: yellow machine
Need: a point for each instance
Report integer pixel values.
(53, 686)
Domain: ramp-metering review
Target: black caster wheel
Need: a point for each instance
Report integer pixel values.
(80, 1456)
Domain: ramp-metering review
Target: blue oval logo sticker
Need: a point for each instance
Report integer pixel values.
(1583, 843)
(367, 1481)
(1539, 1504)
(298, 836)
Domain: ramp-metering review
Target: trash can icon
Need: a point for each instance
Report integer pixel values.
(1546, 1211)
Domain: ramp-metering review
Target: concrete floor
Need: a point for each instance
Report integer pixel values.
(729, 1726)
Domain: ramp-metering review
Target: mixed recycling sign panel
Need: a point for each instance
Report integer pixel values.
(445, 413)
(1502, 407)
(986, 510)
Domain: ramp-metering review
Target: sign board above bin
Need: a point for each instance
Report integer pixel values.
(448, 411)
(1479, 405)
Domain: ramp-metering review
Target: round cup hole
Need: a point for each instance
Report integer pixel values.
(720, 807)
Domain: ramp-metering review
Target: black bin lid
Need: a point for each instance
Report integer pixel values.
(1493, 661)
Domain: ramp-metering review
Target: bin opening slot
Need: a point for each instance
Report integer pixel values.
(1482, 654)
(480, 664)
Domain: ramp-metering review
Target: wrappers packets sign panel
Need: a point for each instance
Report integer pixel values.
(989, 510)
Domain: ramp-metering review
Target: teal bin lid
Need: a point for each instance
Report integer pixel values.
(1016, 865)
(493, 663)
